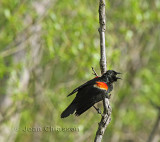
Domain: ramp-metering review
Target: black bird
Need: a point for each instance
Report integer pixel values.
(90, 93)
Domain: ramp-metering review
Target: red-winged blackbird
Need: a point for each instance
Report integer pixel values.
(90, 93)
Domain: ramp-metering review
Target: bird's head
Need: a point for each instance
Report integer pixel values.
(110, 76)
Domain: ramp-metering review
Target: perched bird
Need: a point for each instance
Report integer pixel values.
(90, 93)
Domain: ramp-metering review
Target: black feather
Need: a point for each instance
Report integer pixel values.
(91, 82)
(90, 93)
(69, 110)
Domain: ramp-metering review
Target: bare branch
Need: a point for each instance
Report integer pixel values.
(106, 118)
(101, 30)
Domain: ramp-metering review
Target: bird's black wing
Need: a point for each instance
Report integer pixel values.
(89, 94)
(88, 83)
(87, 97)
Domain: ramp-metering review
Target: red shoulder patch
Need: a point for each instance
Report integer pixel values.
(101, 85)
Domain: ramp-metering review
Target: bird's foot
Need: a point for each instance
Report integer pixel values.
(98, 110)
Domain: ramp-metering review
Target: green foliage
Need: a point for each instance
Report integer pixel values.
(48, 48)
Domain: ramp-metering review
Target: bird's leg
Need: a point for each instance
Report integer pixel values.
(98, 110)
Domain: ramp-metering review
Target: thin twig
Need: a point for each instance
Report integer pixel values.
(94, 72)
(106, 118)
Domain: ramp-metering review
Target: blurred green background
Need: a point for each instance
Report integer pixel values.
(47, 48)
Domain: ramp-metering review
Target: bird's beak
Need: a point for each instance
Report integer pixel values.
(118, 73)
(118, 78)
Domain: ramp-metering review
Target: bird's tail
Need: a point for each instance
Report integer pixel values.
(69, 110)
